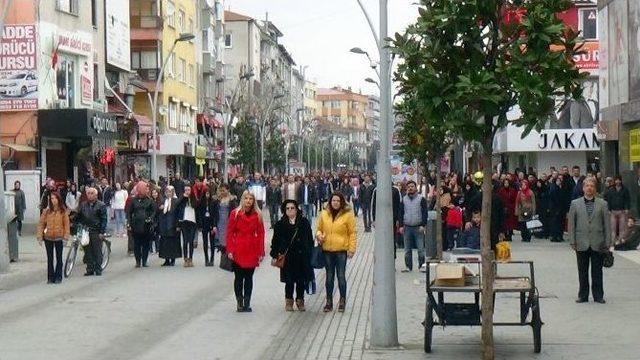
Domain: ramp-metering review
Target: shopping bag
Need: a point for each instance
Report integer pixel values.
(503, 251)
(317, 257)
(84, 238)
(534, 224)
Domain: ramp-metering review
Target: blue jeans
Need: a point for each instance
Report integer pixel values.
(120, 220)
(307, 210)
(336, 264)
(413, 237)
(356, 206)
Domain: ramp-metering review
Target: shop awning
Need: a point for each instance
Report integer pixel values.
(145, 125)
(20, 148)
(213, 121)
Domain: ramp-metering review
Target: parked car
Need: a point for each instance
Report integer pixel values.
(19, 84)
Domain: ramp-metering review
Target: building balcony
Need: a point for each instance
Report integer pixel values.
(149, 78)
(147, 27)
(208, 63)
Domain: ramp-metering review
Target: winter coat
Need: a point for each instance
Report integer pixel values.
(274, 196)
(311, 194)
(206, 223)
(525, 207)
(56, 224)
(508, 197)
(339, 233)
(245, 238)
(168, 222)
(297, 264)
(140, 215)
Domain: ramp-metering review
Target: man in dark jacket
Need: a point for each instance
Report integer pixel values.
(307, 198)
(239, 187)
(20, 205)
(366, 196)
(274, 200)
(619, 203)
(92, 215)
(178, 185)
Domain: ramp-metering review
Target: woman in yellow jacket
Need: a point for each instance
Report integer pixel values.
(53, 228)
(337, 235)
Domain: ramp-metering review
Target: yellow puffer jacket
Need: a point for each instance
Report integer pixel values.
(340, 234)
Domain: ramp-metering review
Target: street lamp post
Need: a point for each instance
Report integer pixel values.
(384, 320)
(154, 115)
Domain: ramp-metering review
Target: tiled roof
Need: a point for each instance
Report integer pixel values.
(232, 16)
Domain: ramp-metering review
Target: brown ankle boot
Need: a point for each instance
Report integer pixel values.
(329, 305)
(341, 304)
(288, 304)
(300, 304)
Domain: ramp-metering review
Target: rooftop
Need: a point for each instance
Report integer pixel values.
(232, 16)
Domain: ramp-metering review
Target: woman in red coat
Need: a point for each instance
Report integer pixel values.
(245, 247)
(508, 195)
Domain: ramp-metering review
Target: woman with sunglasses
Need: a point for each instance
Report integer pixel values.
(292, 237)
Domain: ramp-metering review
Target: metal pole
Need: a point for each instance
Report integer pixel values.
(4, 241)
(154, 114)
(384, 321)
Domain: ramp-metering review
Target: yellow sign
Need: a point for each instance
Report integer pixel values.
(634, 145)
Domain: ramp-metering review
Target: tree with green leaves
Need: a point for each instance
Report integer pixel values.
(245, 145)
(483, 58)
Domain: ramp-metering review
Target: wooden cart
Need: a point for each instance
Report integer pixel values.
(468, 314)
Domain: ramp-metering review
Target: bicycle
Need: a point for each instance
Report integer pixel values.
(72, 253)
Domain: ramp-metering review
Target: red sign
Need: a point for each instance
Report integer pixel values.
(589, 60)
(19, 68)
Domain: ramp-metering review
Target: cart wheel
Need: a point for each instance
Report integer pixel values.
(428, 327)
(536, 325)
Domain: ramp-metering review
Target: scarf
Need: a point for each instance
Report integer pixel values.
(167, 205)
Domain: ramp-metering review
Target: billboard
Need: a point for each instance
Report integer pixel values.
(118, 39)
(634, 50)
(19, 68)
(618, 53)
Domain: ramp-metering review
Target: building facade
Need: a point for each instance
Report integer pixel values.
(571, 139)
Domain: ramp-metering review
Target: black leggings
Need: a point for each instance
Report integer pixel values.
(207, 241)
(188, 237)
(288, 290)
(243, 281)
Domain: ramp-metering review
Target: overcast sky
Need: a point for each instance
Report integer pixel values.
(319, 34)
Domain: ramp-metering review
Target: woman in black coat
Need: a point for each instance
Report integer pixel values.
(170, 248)
(292, 236)
(207, 216)
(557, 209)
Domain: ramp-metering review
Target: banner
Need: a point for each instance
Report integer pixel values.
(19, 68)
(118, 39)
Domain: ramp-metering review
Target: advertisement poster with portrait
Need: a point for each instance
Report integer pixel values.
(618, 53)
(401, 172)
(19, 68)
(634, 50)
(603, 33)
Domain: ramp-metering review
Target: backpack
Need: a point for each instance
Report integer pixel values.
(454, 218)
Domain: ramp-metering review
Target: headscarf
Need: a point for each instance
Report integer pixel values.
(525, 192)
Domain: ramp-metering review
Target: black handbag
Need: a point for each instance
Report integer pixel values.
(317, 257)
(225, 262)
(607, 259)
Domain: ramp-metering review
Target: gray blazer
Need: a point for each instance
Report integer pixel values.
(589, 231)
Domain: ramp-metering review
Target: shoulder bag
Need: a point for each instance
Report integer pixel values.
(279, 261)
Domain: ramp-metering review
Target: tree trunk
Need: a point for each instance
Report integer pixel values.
(262, 151)
(487, 255)
(438, 210)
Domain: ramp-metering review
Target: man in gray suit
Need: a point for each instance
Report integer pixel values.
(590, 236)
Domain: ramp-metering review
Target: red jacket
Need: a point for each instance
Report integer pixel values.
(245, 239)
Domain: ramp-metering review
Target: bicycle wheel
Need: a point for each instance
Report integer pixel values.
(70, 260)
(106, 251)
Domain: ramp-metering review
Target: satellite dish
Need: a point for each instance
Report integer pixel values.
(162, 110)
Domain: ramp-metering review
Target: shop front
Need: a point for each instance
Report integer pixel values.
(549, 148)
(77, 144)
(177, 154)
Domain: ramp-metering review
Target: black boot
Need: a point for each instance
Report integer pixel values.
(240, 304)
(247, 305)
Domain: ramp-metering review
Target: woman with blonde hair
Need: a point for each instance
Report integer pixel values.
(245, 247)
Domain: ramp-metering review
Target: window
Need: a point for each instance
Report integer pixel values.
(171, 10)
(190, 26)
(184, 118)
(144, 60)
(182, 71)
(192, 78)
(68, 6)
(173, 115)
(335, 104)
(181, 16)
(94, 13)
(228, 40)
(589, 23)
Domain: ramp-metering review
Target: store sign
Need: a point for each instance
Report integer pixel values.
(86, 83)
(634, 145)
(569, 140)
(103, 124)
(589, 59)
(118, 40)
(79, 43)
(19, 68)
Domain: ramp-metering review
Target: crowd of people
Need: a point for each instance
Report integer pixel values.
(168, 218)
